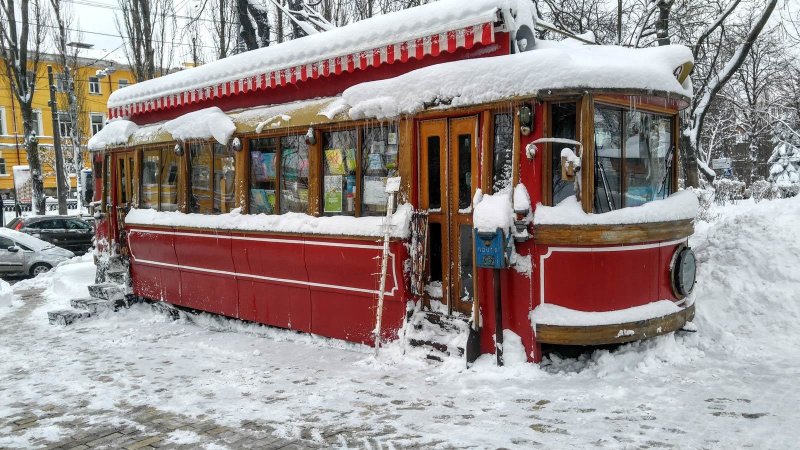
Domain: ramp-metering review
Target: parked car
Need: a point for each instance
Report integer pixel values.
(23, 254)
(69, 232)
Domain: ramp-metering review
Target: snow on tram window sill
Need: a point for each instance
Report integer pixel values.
(284, 223)
(549, 314)
(681, 205)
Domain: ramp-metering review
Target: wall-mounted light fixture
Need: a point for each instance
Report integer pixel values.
(525, 119)
(236, 144)
(179, 149)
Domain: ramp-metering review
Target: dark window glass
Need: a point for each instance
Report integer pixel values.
(379, 150)
(563, 120)
(502, 151)
(464, 171)
(263, 175)
(465, 248)
(608, 159)
(169, 180)
(5, 243)
(51, 224)
(75, 224)
(294, 174)
(200, 198)
(151, 163)
(224, 178)
(435, 251)
(434, 174)
(339, 164)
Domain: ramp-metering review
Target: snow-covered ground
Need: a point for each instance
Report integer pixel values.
(730, 385)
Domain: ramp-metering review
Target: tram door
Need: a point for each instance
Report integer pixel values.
(449, 176)
(124, 190)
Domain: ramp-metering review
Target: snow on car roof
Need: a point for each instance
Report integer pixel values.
(24, 239)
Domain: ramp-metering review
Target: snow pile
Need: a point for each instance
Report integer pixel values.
(681, 205)
(202, 124)
(366, 35)
(116, 132)
(283, 223)
(549, 314)
(522, 200)
(474, 81)
(67, 281)
(6, 296)
(493, 211)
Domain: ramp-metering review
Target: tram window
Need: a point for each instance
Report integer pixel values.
(563, 120)
(608, 159)
(294, 174)
(224, 175)
(502, 151)
(263, 175)
(339, 173)
(151, 164)
(633, 154)
(379, 153)
(648, 158)
(169, 180)
(200, 198)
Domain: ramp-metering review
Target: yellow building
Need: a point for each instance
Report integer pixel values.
(92, 92)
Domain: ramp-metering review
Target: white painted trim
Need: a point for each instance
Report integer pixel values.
(261, 277)
(619, 248)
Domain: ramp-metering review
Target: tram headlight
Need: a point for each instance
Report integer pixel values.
(683, 271)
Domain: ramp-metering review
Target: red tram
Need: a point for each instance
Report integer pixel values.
(253, 186)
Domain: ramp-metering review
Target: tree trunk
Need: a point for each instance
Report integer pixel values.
(688, 157)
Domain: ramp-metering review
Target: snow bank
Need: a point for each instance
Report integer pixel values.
(116, 132)
(493, 211)
(474, 81)
(6, 296)
(681, 205)
(284, 223)
(549, 314)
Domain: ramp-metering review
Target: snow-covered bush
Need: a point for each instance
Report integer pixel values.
(727, 190)
(763, 190)
(705, 199)
(784, 169)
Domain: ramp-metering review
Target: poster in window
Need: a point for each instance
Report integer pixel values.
(335, 161)
(392, 138)
(333, 193)
(375, 162)
(378, 147)
(375, 191)
(350, 158)
(262, 201)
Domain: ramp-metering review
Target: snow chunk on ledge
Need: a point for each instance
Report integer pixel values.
(548, 314)
(284, 223)
(202, 124)
(493, 211)
(681, 205)
(116, 132)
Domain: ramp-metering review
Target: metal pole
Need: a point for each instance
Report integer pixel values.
(387, 229)
(61, 193)
(498, 318)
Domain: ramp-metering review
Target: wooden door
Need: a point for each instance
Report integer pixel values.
(449, 176)
(125, 194)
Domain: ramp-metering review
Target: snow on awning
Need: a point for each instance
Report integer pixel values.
(116, 132)
(439, 27)
(545, 68)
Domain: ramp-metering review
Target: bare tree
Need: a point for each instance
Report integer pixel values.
(148, 28)
(20, 47)
(223, 19)
(254, 26)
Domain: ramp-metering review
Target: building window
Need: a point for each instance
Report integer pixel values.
(62, 85)
(3, 129)
(36, 124)
(64, 124)
(634, 154)
(502, 151)
(563, 125)
(96, 122)
(121, 83)
(94, 85)
(379, 161)
(339, 164)
(212, 178)
(2, 166)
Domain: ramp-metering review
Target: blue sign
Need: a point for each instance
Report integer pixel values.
(490, 249)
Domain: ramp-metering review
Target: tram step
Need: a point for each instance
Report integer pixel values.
(117, 276)
(438, 347)
(66, 317)
(91, 304)
(107, 291)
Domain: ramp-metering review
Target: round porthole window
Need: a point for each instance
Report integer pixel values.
(683, 270)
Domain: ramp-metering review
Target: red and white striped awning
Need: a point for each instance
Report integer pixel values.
(433, 45)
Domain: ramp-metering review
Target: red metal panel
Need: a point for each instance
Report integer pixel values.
(664, 275)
